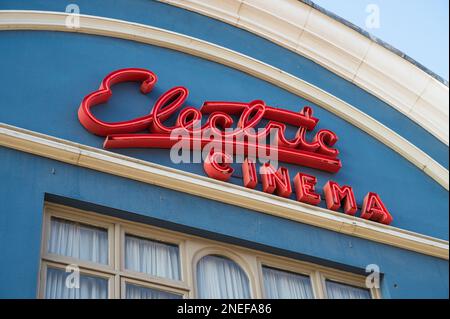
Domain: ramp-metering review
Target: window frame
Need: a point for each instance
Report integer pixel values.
(224, 252)
(115, 270)
(288, 265)
(346, 279)
(317, 274)
(49, 264)
(287, 269)
(191, 249)
(155, 236)
(125, 280)
(80, 219)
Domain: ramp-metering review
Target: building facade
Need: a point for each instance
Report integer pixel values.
(95, 203)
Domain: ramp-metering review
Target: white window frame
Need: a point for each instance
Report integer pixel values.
(160, 236)
(239, 257)
(317, 274)
(83, 271)
(125, 280)
(191, 250)
(346, 279)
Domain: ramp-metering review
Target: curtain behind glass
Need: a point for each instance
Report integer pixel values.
(90, 287)
(219, 277)
(139, 292)
(78, 241)
(151, 257)
(341, 291)
(285, 285)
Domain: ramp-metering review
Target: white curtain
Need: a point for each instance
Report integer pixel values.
(221, 278)
(90, 287)
(341, 291)
(285, 285)
(151, 257)
(138, 292)
(78, 241)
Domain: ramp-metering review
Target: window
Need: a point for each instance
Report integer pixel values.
(151, 257)
(90, 287)
(133, 291)
(78, 241)
(86, 255)
(286, 285)
(221, 278)
(337, 290)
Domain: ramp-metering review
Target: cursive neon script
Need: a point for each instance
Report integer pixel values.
(318, 153)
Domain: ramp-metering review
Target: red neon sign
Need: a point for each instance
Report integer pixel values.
(305, 187)
(318, 153)
(278, 182)
(334, 195)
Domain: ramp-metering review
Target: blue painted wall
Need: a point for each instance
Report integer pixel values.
(45, 75)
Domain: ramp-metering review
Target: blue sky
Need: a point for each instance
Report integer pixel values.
(420, 28)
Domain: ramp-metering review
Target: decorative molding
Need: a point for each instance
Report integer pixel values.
(39, 20)
(150, 173)
(301, 28)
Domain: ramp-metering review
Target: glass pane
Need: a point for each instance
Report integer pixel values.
(60, 286)
(79, 241)
(340, 291)
(152, 257)
(139, 292)
(286, 285)
(221, 278)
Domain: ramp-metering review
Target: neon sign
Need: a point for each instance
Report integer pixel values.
(318, 153)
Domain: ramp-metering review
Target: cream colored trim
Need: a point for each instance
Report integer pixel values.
(194, 249)
(36, 20)
(124, 166)
(344, 51)
(117, 258)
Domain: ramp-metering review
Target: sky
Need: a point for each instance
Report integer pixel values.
(419, 28)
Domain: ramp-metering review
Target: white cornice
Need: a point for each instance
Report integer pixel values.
(344, 51)
(43, 20)
(150, 173)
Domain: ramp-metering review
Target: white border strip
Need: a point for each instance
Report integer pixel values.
(39, 20)
(342, 50)
(150, 173)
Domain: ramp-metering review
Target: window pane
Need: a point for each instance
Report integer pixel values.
(219, 277)
(89, 287)
(152, 257)
(78, 241)
(286, 285)
(139, 292)
(340, 291)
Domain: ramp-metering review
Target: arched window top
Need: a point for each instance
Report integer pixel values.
(221, 278)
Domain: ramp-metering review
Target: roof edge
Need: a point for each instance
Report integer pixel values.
(376, 40)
